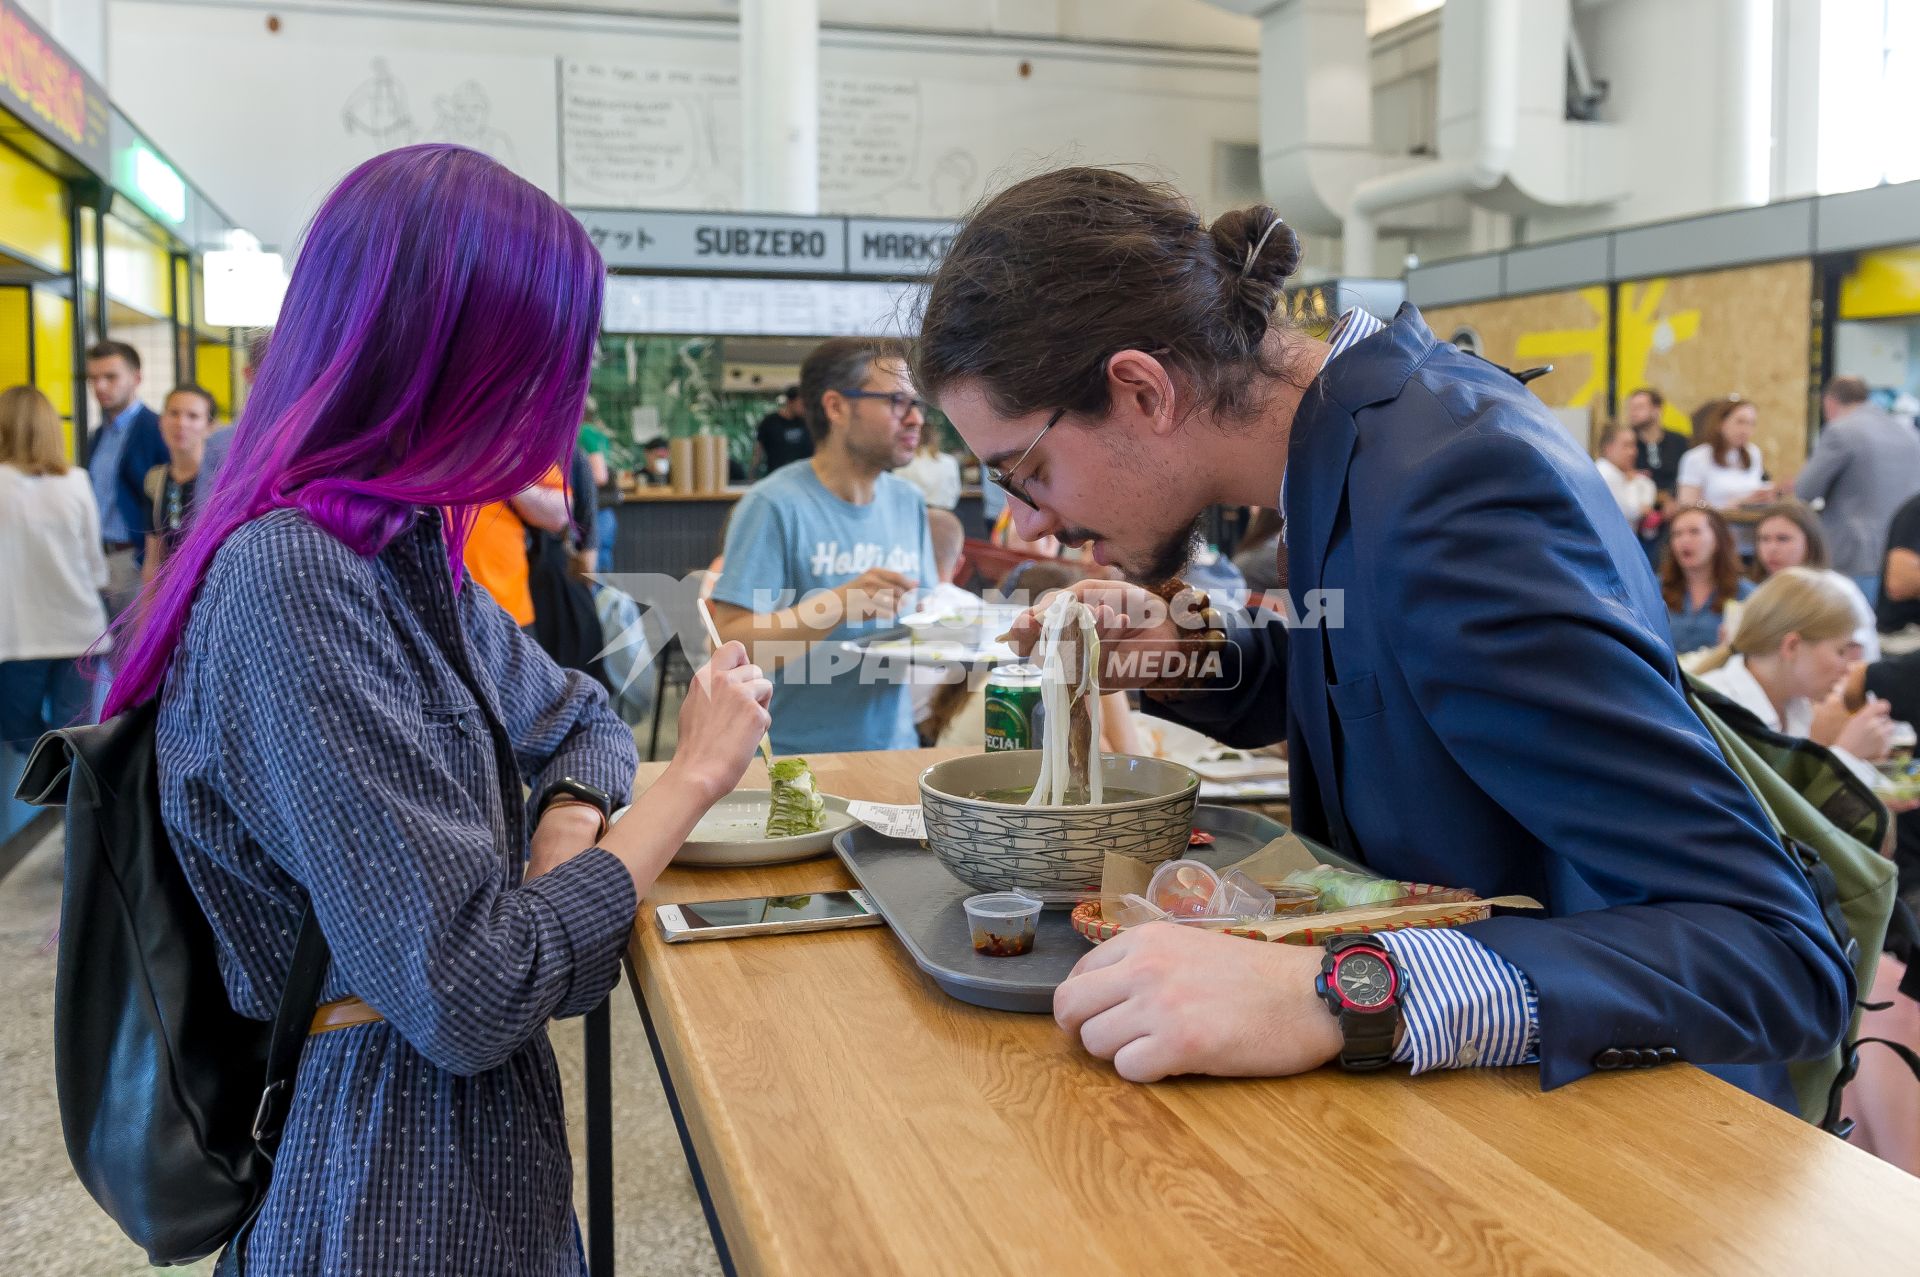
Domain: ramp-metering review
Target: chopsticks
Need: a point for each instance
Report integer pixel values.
(713, 635)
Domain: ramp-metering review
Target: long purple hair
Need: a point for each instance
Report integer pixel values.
(434, 351)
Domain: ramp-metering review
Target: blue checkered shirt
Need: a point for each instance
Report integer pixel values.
(349, 729)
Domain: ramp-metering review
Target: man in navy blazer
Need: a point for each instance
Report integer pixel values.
(1502, 710)
(1491, 702)
(125, 445)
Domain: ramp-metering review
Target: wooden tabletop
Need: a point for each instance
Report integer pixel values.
(849, 1117)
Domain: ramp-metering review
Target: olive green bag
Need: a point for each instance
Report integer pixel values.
(1832, 822)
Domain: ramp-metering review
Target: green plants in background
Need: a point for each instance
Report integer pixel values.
(648, 385)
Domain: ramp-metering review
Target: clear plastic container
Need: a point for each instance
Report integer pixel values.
(1184, 888)
(1132, 911)
(1002, 923)
(1239, 896)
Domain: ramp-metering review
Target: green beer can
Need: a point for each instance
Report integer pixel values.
(1013, 708)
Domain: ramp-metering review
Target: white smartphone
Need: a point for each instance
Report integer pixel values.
(765, 915)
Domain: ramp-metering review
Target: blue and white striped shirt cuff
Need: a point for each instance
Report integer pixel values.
(1463, 1005)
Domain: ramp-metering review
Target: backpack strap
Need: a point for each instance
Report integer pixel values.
(1826, 893)
(290, 1022)
(1908, 1056)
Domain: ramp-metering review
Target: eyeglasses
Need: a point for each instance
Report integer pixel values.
(899, 402)
(1004, 480)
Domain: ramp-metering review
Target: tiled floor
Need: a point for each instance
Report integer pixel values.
(49, 1226)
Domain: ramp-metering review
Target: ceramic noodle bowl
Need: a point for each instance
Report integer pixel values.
(997, 843)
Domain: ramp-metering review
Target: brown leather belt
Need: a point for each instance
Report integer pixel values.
(342, 1014)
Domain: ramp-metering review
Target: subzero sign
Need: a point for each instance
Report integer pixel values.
(717, 243)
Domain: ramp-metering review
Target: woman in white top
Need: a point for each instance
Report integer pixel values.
(1726, 470)
(50, 612)
(935, 473)
(1790, 652)
(1632, 490)
(1788, 536)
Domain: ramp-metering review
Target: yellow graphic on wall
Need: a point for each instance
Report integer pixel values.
(1882, 285)
(1644, 332)
(1556, 344)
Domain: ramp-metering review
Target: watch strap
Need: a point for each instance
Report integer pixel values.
(1369, 1038)
(568, 789)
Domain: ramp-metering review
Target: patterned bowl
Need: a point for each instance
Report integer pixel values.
(996, 846)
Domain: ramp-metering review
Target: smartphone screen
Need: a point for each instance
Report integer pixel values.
(819, 906)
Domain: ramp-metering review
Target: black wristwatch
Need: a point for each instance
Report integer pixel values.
(576, 791)
(1360, 983)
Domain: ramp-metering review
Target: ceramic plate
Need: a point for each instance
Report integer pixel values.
(731, 833)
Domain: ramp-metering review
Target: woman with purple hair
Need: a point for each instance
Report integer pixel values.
(344, 719)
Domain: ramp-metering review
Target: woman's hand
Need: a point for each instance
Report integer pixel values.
(721, 723)
(1829, 719)
(565, 830)
(1868, 735)
(1125, 614)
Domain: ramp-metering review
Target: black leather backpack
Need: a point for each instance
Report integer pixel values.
(171, 1102)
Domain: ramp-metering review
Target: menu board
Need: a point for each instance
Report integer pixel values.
(664, 136)
(758, 307)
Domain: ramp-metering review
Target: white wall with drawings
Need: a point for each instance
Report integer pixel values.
(645, 112)
(267, 123)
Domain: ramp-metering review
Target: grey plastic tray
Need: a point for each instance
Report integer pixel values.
(921, 902)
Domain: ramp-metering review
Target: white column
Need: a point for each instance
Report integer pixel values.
(780, 105)
(1746, 135)
(1796, 99)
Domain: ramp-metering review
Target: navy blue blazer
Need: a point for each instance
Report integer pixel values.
(1501, 710)
(145, 448)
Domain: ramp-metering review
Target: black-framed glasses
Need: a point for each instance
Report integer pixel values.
(1004, 480)
(899, 402)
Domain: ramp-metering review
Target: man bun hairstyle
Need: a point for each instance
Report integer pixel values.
(1052, 277)
(1262, 252)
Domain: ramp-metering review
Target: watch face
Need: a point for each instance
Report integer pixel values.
(1364, 980)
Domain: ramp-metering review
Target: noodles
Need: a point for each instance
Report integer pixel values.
(1069, 655)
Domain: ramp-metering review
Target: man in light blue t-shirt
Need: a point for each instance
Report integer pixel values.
(825, 549)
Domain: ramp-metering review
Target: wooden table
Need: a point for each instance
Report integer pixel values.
(845, 1116)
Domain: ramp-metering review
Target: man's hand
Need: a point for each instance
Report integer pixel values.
(1165, 999)
(874, 595)
(1123, 613)
(566, 830)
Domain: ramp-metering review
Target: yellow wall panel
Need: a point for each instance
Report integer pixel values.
(138, 270)
(33, 211)
(1882, 285)
(213, 369)
(53, 348)
(16, 338)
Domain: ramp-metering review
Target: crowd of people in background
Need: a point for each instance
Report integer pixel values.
(1716, 521)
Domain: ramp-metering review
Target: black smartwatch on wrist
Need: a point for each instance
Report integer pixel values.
(1360, 983)
(576, 791)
